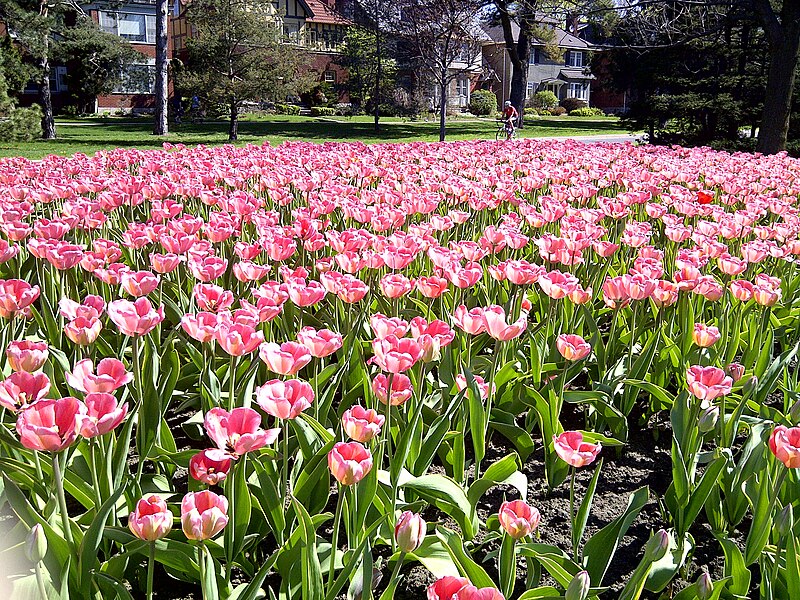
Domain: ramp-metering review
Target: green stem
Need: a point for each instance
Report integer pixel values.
(40, 581)
(396, 570)
(232, 382)
(572, 515)
(62, 500)
(151, 558)
(335, 538)
(285, 484)
(98, 496)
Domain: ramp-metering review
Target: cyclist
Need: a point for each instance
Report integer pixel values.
(510, 116)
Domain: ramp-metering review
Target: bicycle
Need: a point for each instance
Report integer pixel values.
(502, 131)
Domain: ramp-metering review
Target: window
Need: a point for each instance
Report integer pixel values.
(132, 27)
(579, 90)
(462, 87)
(575, 58)
(534, 58)
(531, 89)
(291, 32)
(138, 79)
(330, 76)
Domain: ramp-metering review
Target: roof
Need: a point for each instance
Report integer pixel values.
(562, 38)
(575, 73)
(324, 14)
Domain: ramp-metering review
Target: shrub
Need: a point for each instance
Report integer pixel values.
(558, 111)
(343, 109)
(22, 125)
(482, 103)
(570, 104)
(292, 109)
(281, 108)
(545, 99)
(586, 112)
(322, 111)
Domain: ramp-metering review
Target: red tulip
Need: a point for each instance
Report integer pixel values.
(446, 588)
(210, 466)
(785, 445)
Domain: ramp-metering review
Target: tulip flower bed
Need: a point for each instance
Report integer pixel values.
(402, 371)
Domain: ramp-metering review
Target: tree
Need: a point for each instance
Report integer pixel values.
(95, 62)
(39, 27)
(527, 14)
(160, 122)
(368, 79)
(236, 56)
(444, 39)
(17, 123)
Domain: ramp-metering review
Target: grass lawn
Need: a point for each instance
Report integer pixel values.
(91, 135)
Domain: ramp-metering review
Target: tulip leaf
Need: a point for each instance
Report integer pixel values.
(312, 570)
(503, 471)
(738, 571)
(663, 571)
(553, 559)
(468, 567)
(542, 593)
(91, 541)
(579, 524)
(599, 550)
(448, 496)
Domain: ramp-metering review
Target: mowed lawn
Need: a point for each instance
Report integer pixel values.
(91, 135)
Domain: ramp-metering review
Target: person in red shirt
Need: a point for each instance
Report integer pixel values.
(510, 116)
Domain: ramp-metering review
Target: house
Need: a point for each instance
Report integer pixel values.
(567, 75)
(316, 27)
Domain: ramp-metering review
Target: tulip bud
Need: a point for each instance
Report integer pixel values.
(794, 412)
(735, 370)
(409, 531)
(36, 544)
(784, 522)
(578, 588)
(750, 386)
(708, 419)
(657, 546)
(704, 586)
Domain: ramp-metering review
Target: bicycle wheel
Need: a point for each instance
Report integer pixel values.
(499, 134)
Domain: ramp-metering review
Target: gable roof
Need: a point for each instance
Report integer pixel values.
(321, 12)
(562, 38)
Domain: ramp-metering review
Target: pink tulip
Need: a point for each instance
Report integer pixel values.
(383, 326)
(135, 318)
(708, 383)
(164, 263)
(395, 285)
(286, 359)
(139, 283)
(349, 462)
(469, 321)
(49, 425)
(26, 355)
(210, 466)
(494, 318)
(470, 592)
(573, 347)
(785, 445)
(446, 588)
(201, 327)
(518, 519)
(402, 388)
(705, 336)
(320, 343)
(432, 287)
(83, 331)
(483, 387)
(238, 340)
(571, 448)
(361, 424)
(284, 399)
(103, 414)
(151, 520)
(237, 432)
(304, 293)
(396, 355)
(203, 514)
(15, 297)
(735, 370)
(212, 298)
(409, 532)
(109, 376)
(22, 389)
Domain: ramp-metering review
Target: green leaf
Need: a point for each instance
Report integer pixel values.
(553, 559)
(313, 588)
(579, 525)
(91, 541)
(468, 567)
(503, 471)
(209, 581)
(446, 495)
(600, 548)
(737, 570)
(663, 571)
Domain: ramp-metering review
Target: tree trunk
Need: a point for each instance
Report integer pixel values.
(378, 66)
(519, 53)
(442, 109)
(233, 129)
(784, 45)
(45, 97)
(160, 123)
